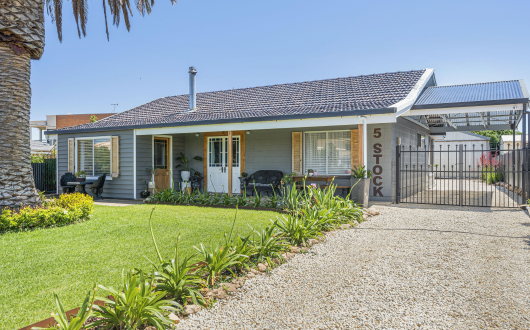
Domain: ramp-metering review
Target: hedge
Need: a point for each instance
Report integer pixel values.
(66, 209)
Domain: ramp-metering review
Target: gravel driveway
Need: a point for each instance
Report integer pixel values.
(411, 267)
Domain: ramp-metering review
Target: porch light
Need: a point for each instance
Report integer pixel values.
(248, 132)
(197, 134)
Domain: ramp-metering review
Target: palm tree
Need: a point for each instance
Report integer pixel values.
(22, 40)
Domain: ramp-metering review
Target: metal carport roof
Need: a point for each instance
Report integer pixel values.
(471, 107)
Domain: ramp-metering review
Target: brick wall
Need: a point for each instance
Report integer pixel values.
(73, 120)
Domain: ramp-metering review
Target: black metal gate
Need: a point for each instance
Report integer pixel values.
(462, 175)
(45, 175)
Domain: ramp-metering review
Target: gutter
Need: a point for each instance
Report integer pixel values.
(378, 111)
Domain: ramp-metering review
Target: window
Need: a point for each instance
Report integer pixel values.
(93, 156)
(327, 152)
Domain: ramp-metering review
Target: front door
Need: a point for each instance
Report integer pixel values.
(218, 164)
(161, 163)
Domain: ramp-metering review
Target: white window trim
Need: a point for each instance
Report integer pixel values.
(109, 176)
(327, 155)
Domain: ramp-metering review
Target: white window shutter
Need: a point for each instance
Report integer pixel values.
(71, 155)
(115, 160)
(297, 152)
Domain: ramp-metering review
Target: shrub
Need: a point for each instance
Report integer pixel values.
(66, 209)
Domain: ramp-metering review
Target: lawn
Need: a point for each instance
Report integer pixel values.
(69, 260)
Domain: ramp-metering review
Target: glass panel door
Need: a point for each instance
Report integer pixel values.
(161, 163)
(218, 164)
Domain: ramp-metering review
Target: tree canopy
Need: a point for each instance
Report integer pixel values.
(495, 136)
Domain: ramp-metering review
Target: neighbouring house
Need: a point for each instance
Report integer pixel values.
(445, 147)
(39, 147)
(54, 122)
(507, 142)
(327, 126)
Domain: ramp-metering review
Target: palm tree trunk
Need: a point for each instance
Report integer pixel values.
(16, 176)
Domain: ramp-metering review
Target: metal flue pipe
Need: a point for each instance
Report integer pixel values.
(193, 94)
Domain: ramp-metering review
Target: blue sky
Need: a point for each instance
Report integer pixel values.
(237, 44)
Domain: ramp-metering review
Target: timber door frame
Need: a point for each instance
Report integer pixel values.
(205, 151)
(170, 156)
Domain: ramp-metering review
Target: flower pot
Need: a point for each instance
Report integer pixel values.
(310, 174)
(184, 185)
(185, 175)
(80, 179)
(242, 182)
(360, 190)
(286, 189)
(145, 194)
(151, 187)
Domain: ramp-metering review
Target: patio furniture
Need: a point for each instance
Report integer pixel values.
(67, 177)
(81, 185)
(97, 186)
(263, 180)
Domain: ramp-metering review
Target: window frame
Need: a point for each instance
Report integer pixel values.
(109, 176)
(304, 167)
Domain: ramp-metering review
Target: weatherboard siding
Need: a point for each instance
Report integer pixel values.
(121, 187)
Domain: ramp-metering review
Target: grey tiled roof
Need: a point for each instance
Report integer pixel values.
(365, 92)
(40, 146)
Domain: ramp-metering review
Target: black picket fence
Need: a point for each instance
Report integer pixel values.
(45, 175)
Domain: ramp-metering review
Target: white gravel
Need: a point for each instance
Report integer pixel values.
(411, 267)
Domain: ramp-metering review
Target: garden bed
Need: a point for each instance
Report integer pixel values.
(175, 287)
(222, 206)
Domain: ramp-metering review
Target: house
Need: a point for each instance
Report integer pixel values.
(54, 122)
(507, 142)
(325, 125)
(39, 147)
(442, 161)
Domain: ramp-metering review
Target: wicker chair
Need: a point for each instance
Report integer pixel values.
(97, 186)
(67, 177)
(263, 181)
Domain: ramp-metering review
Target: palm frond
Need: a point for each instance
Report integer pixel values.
(118, 9)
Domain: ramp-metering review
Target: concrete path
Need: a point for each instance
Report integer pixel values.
(412, 267)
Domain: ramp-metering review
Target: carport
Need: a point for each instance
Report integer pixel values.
(473, 107)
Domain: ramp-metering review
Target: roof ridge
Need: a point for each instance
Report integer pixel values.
(301, 82)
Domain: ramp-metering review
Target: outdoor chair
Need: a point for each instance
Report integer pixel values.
(263, 181)
(67, 177)
(97, 187)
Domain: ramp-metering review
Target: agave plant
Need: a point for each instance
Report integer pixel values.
(268, 244)
(298, 230)
(137, 304)
(176, 276)
(74, 323)
(218, 259)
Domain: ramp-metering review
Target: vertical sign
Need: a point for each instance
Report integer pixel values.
(377, 170)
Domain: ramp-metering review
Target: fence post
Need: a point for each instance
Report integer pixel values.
(398, 166)
(461, 174)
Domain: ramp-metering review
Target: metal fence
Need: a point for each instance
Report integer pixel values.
(45, 175)
(462, 175)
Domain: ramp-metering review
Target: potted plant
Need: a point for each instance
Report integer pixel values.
(145, 193)
(288, 182)
(184, 173)
(360, 185)
(243, 180)
(151, 184)
(80, 176)
(196, 179)
(310, 172)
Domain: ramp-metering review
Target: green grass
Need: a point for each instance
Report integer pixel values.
(69, 260)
